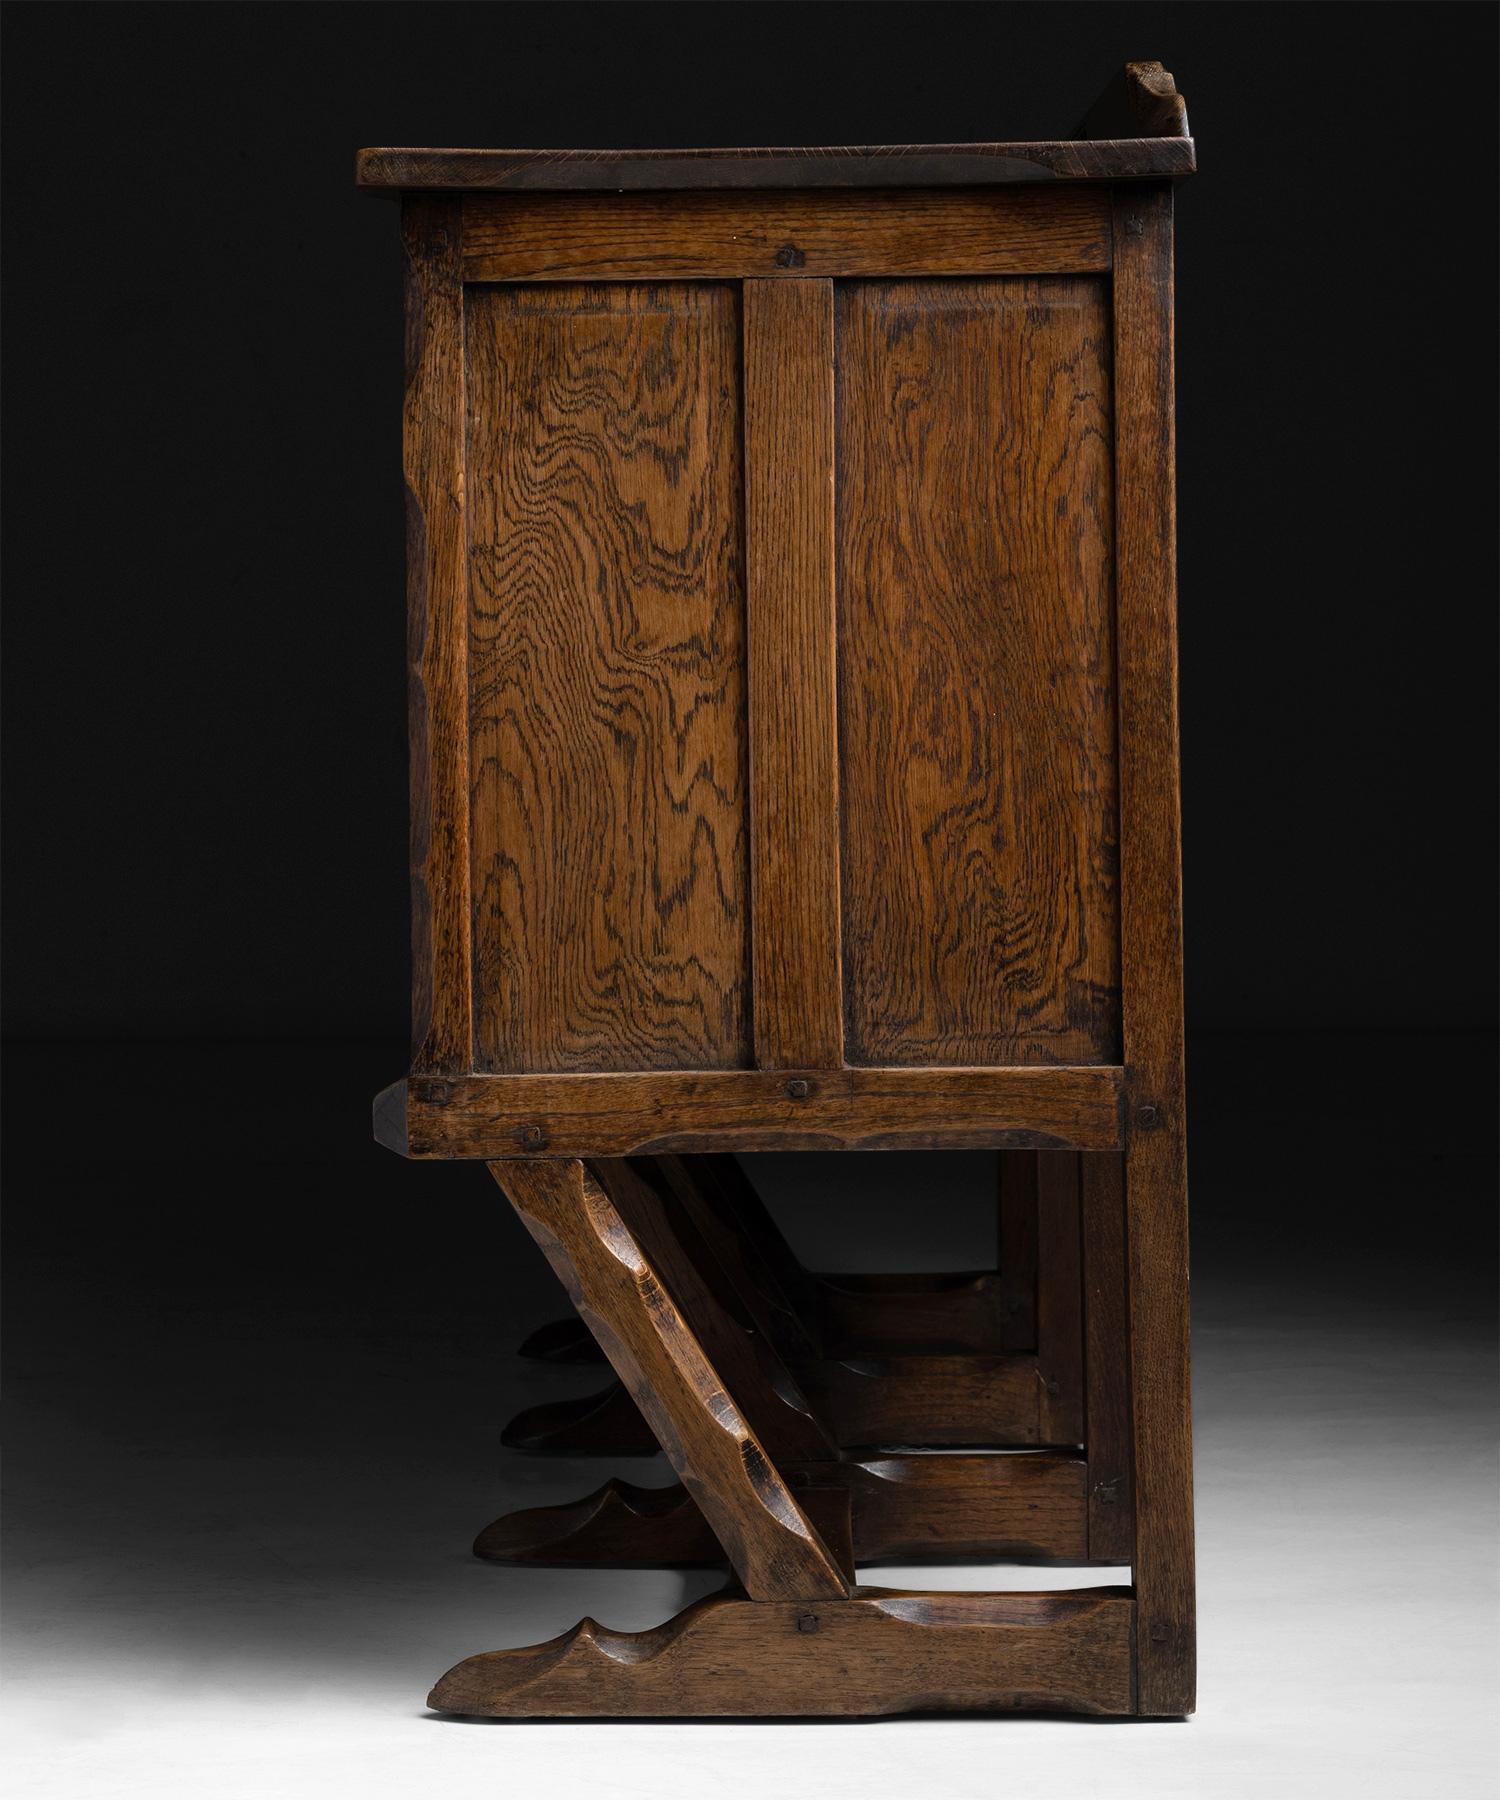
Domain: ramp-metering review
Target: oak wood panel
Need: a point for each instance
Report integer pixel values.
(1106, 1360)
(880, 1651)
(732, 236)
(1059, 1299)
(840, 1109)
(610, 875)
(1151, 935)
(833, 166)
(657, 1354)
(798, 1004)
(436, 603)
(976, 691)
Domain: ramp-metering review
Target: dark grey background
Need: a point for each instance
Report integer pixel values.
(258, 1368)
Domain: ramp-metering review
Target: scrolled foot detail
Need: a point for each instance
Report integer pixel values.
(877, 1652)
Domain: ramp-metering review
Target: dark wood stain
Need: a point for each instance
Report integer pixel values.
(436, 589)
(637, 1113)
(1151, 939)
(610, 872)
(880, 1651)
(976, 680)
(787, 238)
(792, 599)
(859, 166)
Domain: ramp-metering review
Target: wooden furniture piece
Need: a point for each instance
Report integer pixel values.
(794, 766)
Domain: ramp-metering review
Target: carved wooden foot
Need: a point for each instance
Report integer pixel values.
(618, 1526)
(621, 1526)
(607, 1423)
(877, 1651)
(985, 1508)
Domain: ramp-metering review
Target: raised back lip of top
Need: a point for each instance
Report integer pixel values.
(1136, 131)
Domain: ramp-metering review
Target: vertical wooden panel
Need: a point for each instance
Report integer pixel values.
(793, 742)
(1016, 1182)
(1106, 1360)
(611, 926)
(1151, 942)
(975, 672)
(1059, 1299)
(436, 612)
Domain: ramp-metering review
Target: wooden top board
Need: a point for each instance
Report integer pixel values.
(1137, 130)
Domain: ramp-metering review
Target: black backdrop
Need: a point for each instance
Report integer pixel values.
(206, 678)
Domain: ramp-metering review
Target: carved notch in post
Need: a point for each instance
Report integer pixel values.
(579, 1216)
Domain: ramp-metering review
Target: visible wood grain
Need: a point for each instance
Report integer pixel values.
(618, 1526)
(723, 1182)
(1016, 1182)
(436, 613)
(976, 689)
(1106, 1360)
(610, 877)
(934, 1400)
(836, 166)
(1059, 1299)
(943, 1314)
(958, 1507)
(880, 1651)
(847, 1109)
(794, 831)
(729, 1316)
(856, 1314)
(950, 1508)
(931, 1400)
(733, 1320)
(587, 702)
(657, 1354)
(621, 1526)
(726, 236)
(1141, 102)
(698, 1192)
(1151, 940)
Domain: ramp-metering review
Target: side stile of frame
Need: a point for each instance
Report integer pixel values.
(437, 634)
(1151, 944)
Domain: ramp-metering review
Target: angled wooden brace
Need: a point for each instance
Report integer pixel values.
(801, 1638)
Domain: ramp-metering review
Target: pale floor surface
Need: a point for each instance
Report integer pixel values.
(210, 1620)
